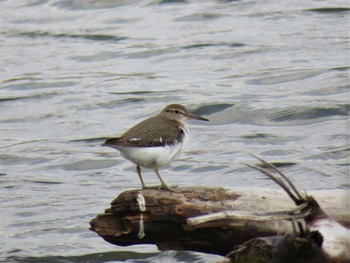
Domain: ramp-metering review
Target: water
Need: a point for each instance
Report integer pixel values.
(272, 77)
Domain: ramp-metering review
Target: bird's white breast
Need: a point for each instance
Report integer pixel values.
(160, 155)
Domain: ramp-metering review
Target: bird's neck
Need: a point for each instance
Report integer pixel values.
(181, 124)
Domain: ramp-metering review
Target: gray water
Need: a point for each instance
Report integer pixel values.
(272, 77)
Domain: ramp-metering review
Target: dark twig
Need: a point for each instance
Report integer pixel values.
(276, 180)
(274, 168)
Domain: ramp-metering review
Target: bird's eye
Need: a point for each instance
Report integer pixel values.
(177, 112)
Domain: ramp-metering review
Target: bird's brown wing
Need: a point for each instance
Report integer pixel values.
(149, 133)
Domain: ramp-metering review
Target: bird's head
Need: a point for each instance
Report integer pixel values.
(177, 112)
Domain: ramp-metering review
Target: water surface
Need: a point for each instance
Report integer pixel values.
(272, 77)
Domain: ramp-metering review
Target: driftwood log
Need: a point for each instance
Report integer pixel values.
(209, 220)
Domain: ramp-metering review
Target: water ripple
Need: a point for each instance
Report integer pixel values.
(329, 10)
(94, 37)
(211, 108)
(205, 45)
(199, 17)
(308, 113)
(272, 80)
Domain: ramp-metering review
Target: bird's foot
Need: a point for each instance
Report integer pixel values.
(151, 187)
(168, 188)
(163, 187)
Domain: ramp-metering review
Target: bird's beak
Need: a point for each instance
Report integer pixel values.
(196, 117)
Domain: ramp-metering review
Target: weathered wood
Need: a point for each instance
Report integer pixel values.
(153, 216)
(302, 248)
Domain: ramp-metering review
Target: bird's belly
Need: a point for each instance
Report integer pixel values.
(149, 156)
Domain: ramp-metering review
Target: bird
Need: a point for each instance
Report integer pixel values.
(156, 141)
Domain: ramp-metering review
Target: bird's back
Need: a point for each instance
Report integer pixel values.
(152, 132)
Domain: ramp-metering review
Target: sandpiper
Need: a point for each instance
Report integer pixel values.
(156, 141)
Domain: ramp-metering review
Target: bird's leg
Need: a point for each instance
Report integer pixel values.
(164, 185)
(138, 170)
